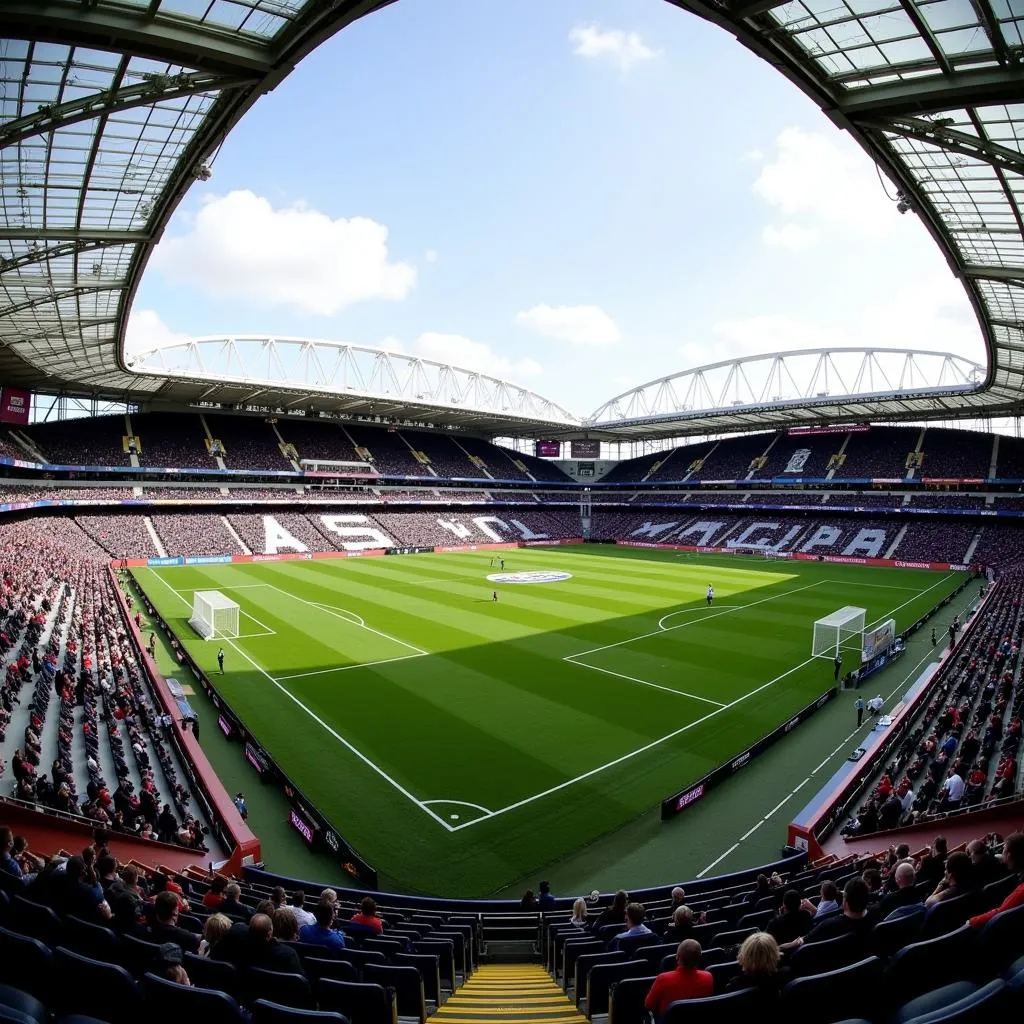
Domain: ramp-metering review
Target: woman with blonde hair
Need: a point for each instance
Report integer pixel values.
(682, 926)
(217, 926)
(759, 966)
(579, 913)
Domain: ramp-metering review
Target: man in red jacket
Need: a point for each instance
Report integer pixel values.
(1013, 858)
(685, 982)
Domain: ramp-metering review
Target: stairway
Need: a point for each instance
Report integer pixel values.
(509, 994)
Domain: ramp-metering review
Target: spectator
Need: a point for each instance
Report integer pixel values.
(685, 982)
(678, 898)
(529, 901)
(77, 894)
(368, 917)
(635, 915)
(299, 911)
(232, 904)
(958, 880)
(286, 928)
(214, 932)
(683, 925)
(263, 950)
(7, 861)
(579, 914)
(933, 864)
(164, 928)
(904, 895)
(987, 868)
(759, 964)
(214, 896)
(828, 903)
(1013, 858)
(322, 933)
(169, 964)
(616, 913)
(853, 920)
(546, 901)
(793, 921)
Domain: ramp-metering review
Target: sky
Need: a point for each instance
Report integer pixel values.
(576, 195)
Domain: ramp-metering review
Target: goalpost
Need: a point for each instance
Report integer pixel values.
(842, 630)
(214, 615)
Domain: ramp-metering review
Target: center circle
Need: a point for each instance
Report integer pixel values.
(543, 576)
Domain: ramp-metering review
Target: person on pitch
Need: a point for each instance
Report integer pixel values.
(502, 561)
(220, 660)
(494, 595)
(837, 664)
(710, 595)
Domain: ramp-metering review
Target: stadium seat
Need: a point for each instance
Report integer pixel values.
(360, 957)
(981, 1006)
(915, 968)
(170, 1003)
(811, 999)
(35, 920)
(733, 938)
(429, 970)
(714, 1009)
(887, 937)
(723, 974)
(90, 940)
(937, 999)
(632, 945)
(336, 970)
(950, 914)
(444, 950)
(408, 986)
(95, 988)
(655, 954)
(137, 955)
(358, 1002)
(216, 974)
(572, 950)
(266, 1012)
(20, 1007)
(26, 963)
(626, 1000)
(278, 987)
(603, 976)
(1001, 940)
(827, 955)
(585, 963)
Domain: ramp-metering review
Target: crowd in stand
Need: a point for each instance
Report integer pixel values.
(247, 442)
(69, 655)
(963, 752)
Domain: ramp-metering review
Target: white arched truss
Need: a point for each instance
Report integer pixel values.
(335, 376)
(757, 391)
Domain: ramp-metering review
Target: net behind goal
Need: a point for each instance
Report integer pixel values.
(840, 631)
(214, 615)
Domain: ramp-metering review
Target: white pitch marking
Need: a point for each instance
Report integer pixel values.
(319, 721)
(718, 860)
(691, 611)
(643, 682)
(353, 617)
(348, 668)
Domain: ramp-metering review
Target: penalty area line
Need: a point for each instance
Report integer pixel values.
(643, 682)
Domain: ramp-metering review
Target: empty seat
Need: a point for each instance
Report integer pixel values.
(408, 986)
(91, 940)
(1001, 940)
(207, 973)
(626, 1000)
(603, 976)
(585, 963)
(812, 999)
(828, 955)
(981, 1006)
(170, 1003)
(430, 974)
(278, 987)
(337, 970)
(25, 963)
(34, 919)
(137, 955)
(950, 914)
(358, 1002)
(889, 936)
(95, 988)
(714, 1009)
(444, 950)
(916, 968)
(733, 938)
(20, 1007)
(266, 1012)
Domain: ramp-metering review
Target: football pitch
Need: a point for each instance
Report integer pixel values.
(460, 744)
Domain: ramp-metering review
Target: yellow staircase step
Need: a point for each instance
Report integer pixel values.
(509, 994)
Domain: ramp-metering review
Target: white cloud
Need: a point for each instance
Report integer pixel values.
(578, 325)
(473, 355)
(817, 182)
(240, 246)
(431, 256)
(623, 49)
(146, 330)
(789, 236)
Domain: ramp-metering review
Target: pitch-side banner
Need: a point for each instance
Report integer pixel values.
(878, 640)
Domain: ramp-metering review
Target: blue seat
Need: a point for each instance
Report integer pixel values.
(950, 914)
(336, 970)
(216, 974)
(733, 938)
(92, 940)
(827, 955)
(277, 987)
(714, 1009)
(1001, 940)
(937, 999)
(266, 1012)
(408, 986)
(981, 1006)
(626, 1000)
(26, 963)
(170, 1003)
(34, 919)
(887, 937)
(95, 988)
(811, 999)
(358, 1002)
(586, 963)
(603, 976)
(20, 1007)
(915, 968)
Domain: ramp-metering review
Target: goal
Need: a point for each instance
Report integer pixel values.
(842, 630)
(214, 615)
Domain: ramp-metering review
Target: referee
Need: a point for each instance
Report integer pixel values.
(220, 660)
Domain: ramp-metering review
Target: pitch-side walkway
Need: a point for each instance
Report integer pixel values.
(510, 994)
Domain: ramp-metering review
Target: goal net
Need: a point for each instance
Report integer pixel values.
(214, 615)
(838, 632)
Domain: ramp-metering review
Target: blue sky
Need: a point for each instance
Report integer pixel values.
(579, 196)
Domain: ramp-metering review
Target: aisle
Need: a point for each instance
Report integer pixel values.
(511, 994)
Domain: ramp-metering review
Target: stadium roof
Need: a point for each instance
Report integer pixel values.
(111, 108)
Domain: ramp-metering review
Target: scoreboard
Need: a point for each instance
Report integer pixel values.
(549, 449)
(589, 448)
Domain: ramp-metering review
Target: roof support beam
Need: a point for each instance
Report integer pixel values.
(927, 95)
(54, 252)
(740, 9)
(70, 234)
(1013, 275)
(937, 134)
(157, 89)
(164, 37)
(55, 297)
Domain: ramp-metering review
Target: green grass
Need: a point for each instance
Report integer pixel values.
(470, 708)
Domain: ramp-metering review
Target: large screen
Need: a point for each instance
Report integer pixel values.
(549, 449)
(586, 449)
